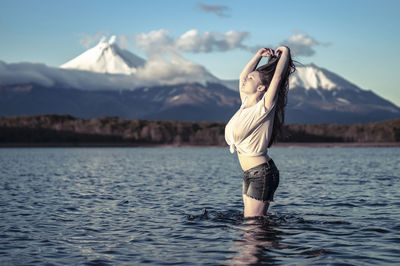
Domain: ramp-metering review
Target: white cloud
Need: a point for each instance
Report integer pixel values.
(158, 71)
(165, 65)
(155, 42)
(160, 41)
(301, 44)
(174, 70)
(25, 73)
(194, 41)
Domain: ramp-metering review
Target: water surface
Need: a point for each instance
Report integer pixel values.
(125, 206)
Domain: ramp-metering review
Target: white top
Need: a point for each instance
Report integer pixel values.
(249, 130)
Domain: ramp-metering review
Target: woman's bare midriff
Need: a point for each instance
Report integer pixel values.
(247, 162)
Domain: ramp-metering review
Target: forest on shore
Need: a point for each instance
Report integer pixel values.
(65, 129)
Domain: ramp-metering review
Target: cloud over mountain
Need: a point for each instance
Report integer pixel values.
(160, 41)
(108, 67)
(194, 41)
(155, 42)
(165, 64)
(25, 73)
(174, 70)
(301, 44)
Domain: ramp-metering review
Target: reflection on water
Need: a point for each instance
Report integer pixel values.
(129, 206)
(259, 236)
(260, 241)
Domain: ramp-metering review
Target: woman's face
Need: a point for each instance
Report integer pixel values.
(251, 83)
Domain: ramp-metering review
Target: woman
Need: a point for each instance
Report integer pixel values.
(254, 127)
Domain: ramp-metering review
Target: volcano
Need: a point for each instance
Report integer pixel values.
(106, 57)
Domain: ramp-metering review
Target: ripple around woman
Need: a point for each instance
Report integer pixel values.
(255, 126)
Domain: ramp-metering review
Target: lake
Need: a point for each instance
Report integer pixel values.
(135, 206)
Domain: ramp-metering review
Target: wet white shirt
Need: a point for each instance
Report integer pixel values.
(249, 130)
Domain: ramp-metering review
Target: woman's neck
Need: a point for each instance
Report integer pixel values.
(253, 98)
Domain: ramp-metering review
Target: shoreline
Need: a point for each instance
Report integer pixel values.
(152, 145)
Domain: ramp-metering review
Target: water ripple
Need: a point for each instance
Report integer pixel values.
(168, 206)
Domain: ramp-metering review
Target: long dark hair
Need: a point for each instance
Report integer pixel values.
(266, 73)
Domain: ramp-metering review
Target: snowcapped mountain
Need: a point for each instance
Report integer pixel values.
(315, 90)
(106, 57)
(106, 80)
(314, 77)
(109, 58)
(309, 77)
(319, 95)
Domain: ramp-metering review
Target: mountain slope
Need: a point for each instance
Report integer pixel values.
(106, 57)
(314, 77)
(318, 95)
(189, 102)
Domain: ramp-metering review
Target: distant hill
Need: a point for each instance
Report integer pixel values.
(185, 102)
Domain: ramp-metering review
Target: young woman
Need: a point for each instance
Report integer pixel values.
(254, 127)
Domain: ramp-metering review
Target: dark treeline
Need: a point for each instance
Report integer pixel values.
(70, 130)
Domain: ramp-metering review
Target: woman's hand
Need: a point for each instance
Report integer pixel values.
(264, 52)
(281, 49)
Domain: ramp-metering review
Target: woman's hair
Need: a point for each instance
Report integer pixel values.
(266, 73)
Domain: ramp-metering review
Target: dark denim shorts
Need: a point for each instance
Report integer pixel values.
(260, 182)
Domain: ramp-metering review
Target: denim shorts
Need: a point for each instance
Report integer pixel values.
(261, 181)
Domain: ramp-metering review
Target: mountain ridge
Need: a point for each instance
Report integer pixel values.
(316, 94)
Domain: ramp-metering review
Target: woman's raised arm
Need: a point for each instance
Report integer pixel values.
(252, 64)
(281, 67)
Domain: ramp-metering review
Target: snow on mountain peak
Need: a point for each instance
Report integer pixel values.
(313, 77)
(112, 40)
(102, 39)
(106, 57)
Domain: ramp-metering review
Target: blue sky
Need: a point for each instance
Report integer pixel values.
(359, 40)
